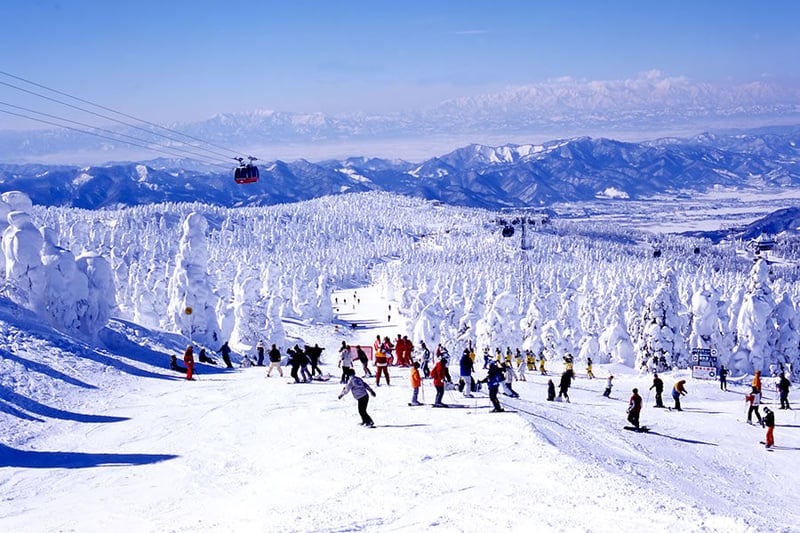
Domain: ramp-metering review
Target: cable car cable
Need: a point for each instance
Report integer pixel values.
(174, 148)
(101, 136)
(120, 113)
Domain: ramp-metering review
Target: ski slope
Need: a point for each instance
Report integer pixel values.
(113, 441)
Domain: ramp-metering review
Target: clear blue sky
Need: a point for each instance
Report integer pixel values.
(169, 60)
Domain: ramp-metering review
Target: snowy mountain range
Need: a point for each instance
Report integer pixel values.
(578, 169)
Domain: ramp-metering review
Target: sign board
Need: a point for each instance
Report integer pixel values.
(704, 357)
(704, 372)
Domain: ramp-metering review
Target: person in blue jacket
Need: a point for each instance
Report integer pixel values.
(493, 379)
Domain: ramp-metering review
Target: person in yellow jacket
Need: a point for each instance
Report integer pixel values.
(677, 391)
(757, 380)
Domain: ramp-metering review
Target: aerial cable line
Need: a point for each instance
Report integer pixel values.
(122, 114)
(110, 118)
(99, 135)
(174, 148)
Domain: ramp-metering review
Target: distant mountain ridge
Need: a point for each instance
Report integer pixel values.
(578, 169)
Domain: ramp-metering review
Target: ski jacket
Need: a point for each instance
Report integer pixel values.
(357, 387)
(362, 355)
(380, 359)
(754, 399)
(438, 374)
(495, 376)
(769, 420)
(757, 380)
(274, 355)
(225, 349)
(658, 385)
(635, 404)
(416, 381)
(188, 356)
(347, 358)
(679, 389)
(466, 365)
(784, 384)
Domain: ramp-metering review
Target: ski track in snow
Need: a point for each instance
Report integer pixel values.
(140, 449)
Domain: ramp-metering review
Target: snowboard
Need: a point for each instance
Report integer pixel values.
(641, 429)
(415, 404)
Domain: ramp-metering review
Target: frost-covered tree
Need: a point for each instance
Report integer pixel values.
(662, 333)
(25, 275)
(757, 332)
(191, 288)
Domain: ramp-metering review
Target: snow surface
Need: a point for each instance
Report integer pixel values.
(98, 435)
(110, 440)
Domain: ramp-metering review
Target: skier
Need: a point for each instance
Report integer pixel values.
(658, 385)
(361, 392)
(493, 379)
(677, 391)
(362, 358)
(294, 362)
(302, 360)
(345, 361)
(314, 353)
(769, 421)
(487, 357)
(466, 368)
(542, 370)
(188, 358)
(274, 360)
(438, 375)
(551, 390)
(225, 350)
(521, 366)
(563, 386)
(634, 408)
(416, 383)
(589, 372)
(783, 390)
(723, 378)
(260, 351)
(426, 359)
(757, 380)
(509, 375)
(609, 384)
(381, 367)
(754, 399)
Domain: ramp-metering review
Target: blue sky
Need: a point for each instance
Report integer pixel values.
(182, 60)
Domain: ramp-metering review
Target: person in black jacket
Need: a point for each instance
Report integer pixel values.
(314, 353)
(551, 390)
(274, 360)
(723, 378)
(783, 390)
(563, 386)
(658, 385)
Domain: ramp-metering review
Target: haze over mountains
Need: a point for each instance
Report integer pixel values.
(579, 169)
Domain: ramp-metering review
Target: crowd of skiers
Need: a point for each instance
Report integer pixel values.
(502, 370)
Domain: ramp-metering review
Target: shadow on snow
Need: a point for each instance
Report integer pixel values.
(11, 457)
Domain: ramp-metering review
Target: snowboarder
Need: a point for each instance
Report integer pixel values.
(302, 360)
(361, 392)
(551, 390)
(416, 384)
(274, 360)
(783, 390)
(493, 379)
(634, 408)
(609, 384)
(188, 358)
(225, 350)
(314, 353)
(769, 421)
(723, 378)
(677, 391)
(658, 385)
(173, 364)
(466, 368)
(754, 399)
(206, 359)
(260, 352)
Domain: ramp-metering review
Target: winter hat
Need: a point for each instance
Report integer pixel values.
(636, 391)
(766, 409)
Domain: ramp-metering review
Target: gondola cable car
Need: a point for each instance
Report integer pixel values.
(245, 172)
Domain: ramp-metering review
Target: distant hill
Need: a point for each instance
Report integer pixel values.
(579, 169)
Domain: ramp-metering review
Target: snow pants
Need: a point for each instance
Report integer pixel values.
(785, 400)
(659, 400)
(493, 397)
(439, 394)
(362, 410)
(276, 364)
(753, 409)
(770, 439)
(381, 370)
(467, 386)
(633, 418)
(189, 369)
(415, 395)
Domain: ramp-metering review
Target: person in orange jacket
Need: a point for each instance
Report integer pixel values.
(188, 358)
(416, 384)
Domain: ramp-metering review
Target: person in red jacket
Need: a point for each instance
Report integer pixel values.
(399, 350)
(438, 374)
(408, 347)
(188, 358)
